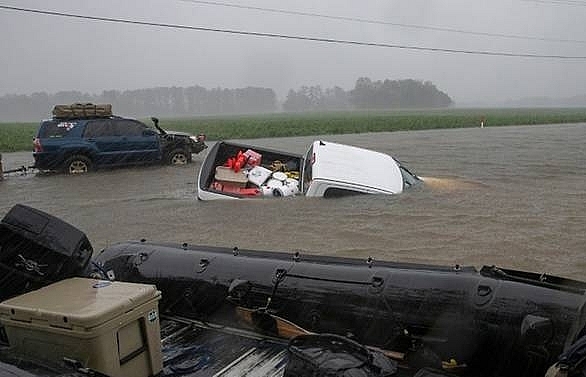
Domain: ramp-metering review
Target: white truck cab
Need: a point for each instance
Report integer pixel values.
(333, 169)
(233, 171)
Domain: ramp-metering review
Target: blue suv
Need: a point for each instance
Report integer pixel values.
(79, 145)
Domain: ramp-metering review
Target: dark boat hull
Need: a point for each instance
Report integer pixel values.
(499, 322)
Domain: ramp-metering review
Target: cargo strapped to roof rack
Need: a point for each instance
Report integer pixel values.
(82, 110)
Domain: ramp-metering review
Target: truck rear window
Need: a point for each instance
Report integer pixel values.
(52, 128)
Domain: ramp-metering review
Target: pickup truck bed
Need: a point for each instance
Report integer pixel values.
(222, 151)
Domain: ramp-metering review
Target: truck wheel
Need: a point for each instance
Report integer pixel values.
(77, 164)
(178, 157)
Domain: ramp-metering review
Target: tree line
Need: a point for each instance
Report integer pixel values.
(197, 100)
(162, 101)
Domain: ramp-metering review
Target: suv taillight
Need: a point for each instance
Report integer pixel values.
(37, 147)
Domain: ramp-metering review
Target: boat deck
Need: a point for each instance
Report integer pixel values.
(190, 349)
(199, 349)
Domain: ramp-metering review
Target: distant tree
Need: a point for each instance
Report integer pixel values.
(307, 98)
(297, 101)
(108, 96)
(177, 101)
(363, 93)
(254, 100)
(40, 101)
(335, 99)
(195, 99)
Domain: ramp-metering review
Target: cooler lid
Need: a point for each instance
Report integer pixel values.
(78, 302)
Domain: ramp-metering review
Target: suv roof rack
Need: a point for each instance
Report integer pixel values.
(84, 117)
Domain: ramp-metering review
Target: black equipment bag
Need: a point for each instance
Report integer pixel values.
(37, 249)
(573, 360)
(328, 355)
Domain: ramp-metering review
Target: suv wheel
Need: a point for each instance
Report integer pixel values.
(178, 157)
(77, 164)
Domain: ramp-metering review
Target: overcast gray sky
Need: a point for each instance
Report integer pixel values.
(52, 53)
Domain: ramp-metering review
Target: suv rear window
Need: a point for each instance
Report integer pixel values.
(55, 128)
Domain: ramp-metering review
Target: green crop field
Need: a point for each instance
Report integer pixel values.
(18, 136)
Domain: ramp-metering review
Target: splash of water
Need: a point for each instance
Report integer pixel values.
(451, 184)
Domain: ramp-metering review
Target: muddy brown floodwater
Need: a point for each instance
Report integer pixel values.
(509, 196)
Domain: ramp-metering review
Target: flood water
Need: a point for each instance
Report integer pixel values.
(513, 197)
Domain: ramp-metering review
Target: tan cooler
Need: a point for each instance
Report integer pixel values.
(111, 327)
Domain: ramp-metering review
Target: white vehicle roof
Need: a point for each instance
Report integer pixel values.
(357, 166)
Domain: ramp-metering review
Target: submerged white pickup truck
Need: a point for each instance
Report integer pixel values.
(233, 171)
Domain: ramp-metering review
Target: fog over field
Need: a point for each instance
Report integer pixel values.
(481, 52)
